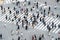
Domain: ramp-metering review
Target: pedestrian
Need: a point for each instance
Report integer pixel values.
(22, 23)
(32, 37)
(12, 39)
(4, 10)
(19, 19)
(17, 3)
(49, 8)
(0, 36)
(55, 25)
(15, 17)
(29, 3)
(26, 27)
(44, 10)
(58, 25)
(48, 27)
(57, 1)
(8, 7)
(57, 15)
(26, 21)
(18, 27)
(12, 19)
(44, 23)
(35, 37)
(17, 23)
(6, 17)
(38, 15)
(31, 9)
(40, 19)
(25, 0)
(17, 12)
(42, 35)
(37, 5)
(18, 38)
(10, 12)
(14, 8)
(25, 38)
(39, 38)
(1, 7)
(44, 13)
(49, 13)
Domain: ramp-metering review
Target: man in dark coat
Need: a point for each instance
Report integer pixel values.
(18, 38)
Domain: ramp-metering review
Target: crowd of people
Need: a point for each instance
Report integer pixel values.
(29, 14)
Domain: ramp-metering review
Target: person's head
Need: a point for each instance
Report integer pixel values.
(57, 0)
(42, 35)
(45, 3)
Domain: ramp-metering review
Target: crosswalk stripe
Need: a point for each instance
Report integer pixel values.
(57, 30)
(39, 25)
(44, 27)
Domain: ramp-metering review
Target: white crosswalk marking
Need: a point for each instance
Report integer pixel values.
(57, 31)
(44, 27)
(41, 28)
(39, 25)
(57, 27)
